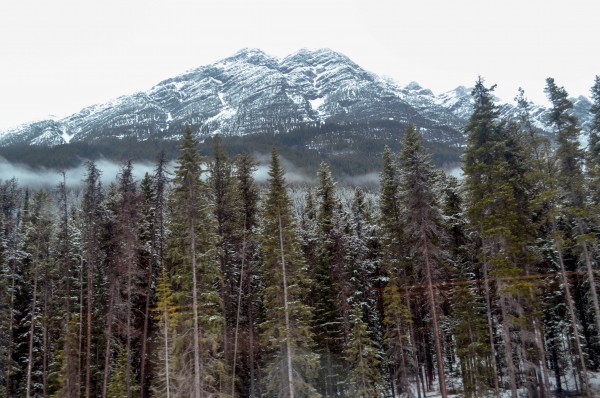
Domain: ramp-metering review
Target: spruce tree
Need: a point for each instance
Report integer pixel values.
(593, 153)
(246, 348)
(422, 223)
(498, 209)
(362, 355)
(332, 325)
(197, 277)
(91, 219)
(227, 213)
(286, 330)
(399, 334)
(571, 182)
(166, 317)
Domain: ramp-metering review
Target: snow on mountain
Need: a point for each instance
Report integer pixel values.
(252, 92)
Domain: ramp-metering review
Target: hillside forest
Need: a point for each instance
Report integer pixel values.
(201, 282)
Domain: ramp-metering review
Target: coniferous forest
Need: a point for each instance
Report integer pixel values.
(201, 282)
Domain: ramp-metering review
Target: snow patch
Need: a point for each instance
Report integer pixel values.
(222, 99)
(169, 117)
(316, 103)
(66, 136)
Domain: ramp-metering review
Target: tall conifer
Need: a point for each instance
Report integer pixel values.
(286, 330)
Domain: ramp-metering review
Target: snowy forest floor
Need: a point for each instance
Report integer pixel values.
(569, 390)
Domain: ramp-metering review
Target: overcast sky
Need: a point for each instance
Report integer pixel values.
(61, 55)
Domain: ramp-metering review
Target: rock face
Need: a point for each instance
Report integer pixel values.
(252, 93)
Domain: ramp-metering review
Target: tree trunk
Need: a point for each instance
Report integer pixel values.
(435, 321)
(145, 333)
(510, 364)
(488, 307)
(197, 370)
(109, 322)
(31, 330)
(571, 310)
(88, 355)
(288, 345)
(239, 306)
(590, 277)
(128, 375)
(11, 325)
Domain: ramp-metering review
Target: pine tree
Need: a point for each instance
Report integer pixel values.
(12, 196)
(469, 326)
(66, 264)
(91, 217)
(498, 210)
(37, 239)
(245, 333)
(147, 263)
(285, 332)
(227, 212)
(593, 159)
(166, 315)
(332, 313)
(423, 225)
(362, 355)
(192, 263)
(571, 181)
(399, 335)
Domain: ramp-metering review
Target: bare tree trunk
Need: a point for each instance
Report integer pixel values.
(9, 350)
(590, 277)
(436, 327)
(197, 370)
(88, 355)
(31, 330)
(412, 344)
(146, 322)
(571, 310)
(109, 322)
(288, 345)
(128, 375)
(45, 345)
(488, 307)
(251, 351)
(166, 338)
(508, 344)
(80, 331)
(239, 306)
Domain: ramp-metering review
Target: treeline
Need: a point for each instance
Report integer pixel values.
(200, 283)
(350, 149)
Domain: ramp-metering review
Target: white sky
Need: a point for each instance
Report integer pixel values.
(61, 55)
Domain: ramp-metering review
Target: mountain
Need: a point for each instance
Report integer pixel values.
(320, 102)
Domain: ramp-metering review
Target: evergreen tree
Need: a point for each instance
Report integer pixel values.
(12, 196)
(571, 182)
(498, 209)
(332, 312)
(37, 239)
(166, 314)
(362, 355)
(91, 218)
(469, 326)
(249, 283)
(594, 146)
(285, 332)
(399, 335)
(194, 269)
(227, 213)
(423, 226)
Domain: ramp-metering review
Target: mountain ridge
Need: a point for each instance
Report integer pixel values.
(330, 102)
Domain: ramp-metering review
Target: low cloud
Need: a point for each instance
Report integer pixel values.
(41, 177)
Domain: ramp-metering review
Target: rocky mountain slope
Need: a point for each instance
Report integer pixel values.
(322, 94)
